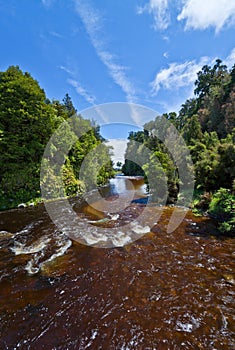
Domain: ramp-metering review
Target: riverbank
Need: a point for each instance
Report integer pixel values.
(220, 206)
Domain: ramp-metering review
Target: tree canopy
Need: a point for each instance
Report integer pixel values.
(207, 124)
(27, 121)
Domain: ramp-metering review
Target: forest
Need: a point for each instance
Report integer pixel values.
(27, 121)
(207, 124)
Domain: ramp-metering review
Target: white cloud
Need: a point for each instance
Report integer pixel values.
(230, 60)
(82, 91)
(160, 12)
(178, 75)
(119, 148)
(166, 55)
(93, 24)
(202, 14)
(166, 38)
(179, 79)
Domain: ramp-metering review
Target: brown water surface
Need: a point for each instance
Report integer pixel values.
(163, 291)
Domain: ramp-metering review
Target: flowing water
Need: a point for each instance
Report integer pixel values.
(162, 291)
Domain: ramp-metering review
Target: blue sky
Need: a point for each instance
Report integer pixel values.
(144, 51)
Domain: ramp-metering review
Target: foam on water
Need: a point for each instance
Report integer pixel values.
(140, 230)
(121, 239)
(43, 250)
(31, 268)
(34, 265)
(21, 248)
(28, 228)
(116, 236)
(63, 248)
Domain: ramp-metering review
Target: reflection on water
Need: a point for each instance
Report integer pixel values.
(133, 187)
(122, 184)
(163, 291)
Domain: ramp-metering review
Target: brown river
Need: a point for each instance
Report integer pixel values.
(162, 291)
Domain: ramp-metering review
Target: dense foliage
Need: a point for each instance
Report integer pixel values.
(207, 124)
(27, 121)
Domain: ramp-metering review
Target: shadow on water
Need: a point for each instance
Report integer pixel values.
(208, 228)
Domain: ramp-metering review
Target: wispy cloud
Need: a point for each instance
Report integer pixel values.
(82, 91)
(178, 75)
(56, 35)
(67, 70)
(92, 21)
(159, 9)
(201, 14)
(73, 81)
(47, 3)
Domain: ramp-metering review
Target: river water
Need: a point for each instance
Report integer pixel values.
(162, 291)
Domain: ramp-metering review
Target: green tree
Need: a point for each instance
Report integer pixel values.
(192, 130)
(222, 207)
(209, 77)
(188, 109)
(68, 104)
(26, 123)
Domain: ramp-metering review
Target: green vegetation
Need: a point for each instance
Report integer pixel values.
(222, 206)
(27, 121)
(207, 124)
